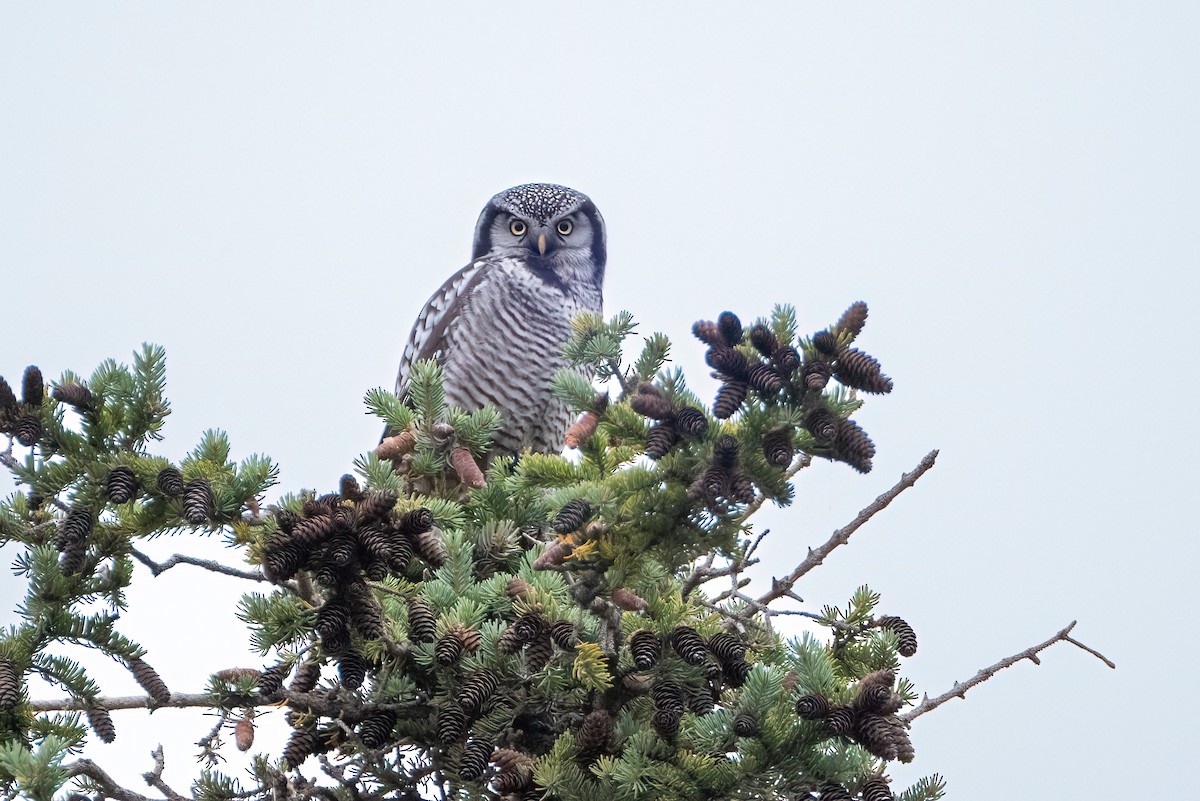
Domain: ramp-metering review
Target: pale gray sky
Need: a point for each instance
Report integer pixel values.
(271, 191)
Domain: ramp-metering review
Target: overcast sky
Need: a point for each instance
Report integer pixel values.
(271, 191)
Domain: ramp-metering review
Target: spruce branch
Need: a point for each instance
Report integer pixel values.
(959, 690)
(319, 703)
(107, 784)
(781, 587)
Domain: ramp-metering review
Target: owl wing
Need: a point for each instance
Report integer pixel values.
(429, 338)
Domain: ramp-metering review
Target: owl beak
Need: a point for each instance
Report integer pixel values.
(542, 244)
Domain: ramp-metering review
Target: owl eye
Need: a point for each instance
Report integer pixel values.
(517, 227)
(565, 227)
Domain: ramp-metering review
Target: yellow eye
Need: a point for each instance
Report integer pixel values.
(517, 227)
(565, 227)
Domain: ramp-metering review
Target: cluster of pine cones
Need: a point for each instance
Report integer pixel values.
(721, 660)
(774, 370)
(869, 719)
(346, 538)
(23, 420)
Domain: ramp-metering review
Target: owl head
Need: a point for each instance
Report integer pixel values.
(547, 225)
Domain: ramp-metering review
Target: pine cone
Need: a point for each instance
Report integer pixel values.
(666, 723)
(271, 679)
(628, 600)
(76, 395)
(816, 374)
(777, 447)
(352, 670)
(243, 733)
(856, 369)
(519, 634)
(787, 360)
(645, 647)
(333, 616)
(650, 401)
(121, 485)
(538, 653)
(564, 635)
(149, 680)
(834, 792)
(582, 429)
(707, 332)
(431, 548)
(727, 648)
(418, 521)
(10, 684)
(825, 342)
(301, 745)
(813, 707)
(476, 691)
(690, 421)
(475, 758)
(33, 389)
(422, 625)
(596, 732)
(466, 468)
(735, 673)
(74, 529)
(730, 327)
(28, 430)
(764, 340)
(660, 439)
(689, 645)
(306, 678)
(376, 729)
(875, 789)
(741, 489)
(853, 446)
(729, 399)
(839, 721)
(822, 424)
(572, 516)
(448, 648)
(198, 501)
(668, 694)
(764, 379)
(451, 723)
(745, 725)
(904, 633)
(170, 482)
(853, 319)
(375, 505)
(99, 719)
(730, 363)
(8, 400)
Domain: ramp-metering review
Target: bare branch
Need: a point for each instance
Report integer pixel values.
(88, 768)
(960, 688)
(319, 703)
(781, 587)
(154, 777)
(208, 564)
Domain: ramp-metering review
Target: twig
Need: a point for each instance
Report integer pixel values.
(7, 459)
(154, 777)
(960, 688)
(157, 568)
(88, 768)
(781, 587)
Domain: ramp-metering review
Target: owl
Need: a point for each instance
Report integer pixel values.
(498, 325)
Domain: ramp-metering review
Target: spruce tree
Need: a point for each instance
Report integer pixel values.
(450, 624)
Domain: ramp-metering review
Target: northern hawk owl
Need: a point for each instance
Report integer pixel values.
(498, 325)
